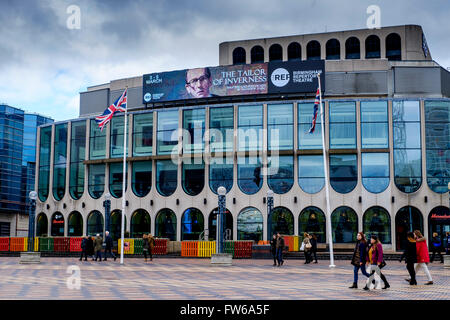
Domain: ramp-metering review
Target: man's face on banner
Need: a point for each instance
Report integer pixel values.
(198, 83)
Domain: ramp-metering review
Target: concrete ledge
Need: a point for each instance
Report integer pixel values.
(221, 259)
(30, 257)
(447, 261)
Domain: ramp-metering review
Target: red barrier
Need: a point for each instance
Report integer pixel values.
(160, 246)
(75, 244)
(61, 244)
(243, 249)
(4, 244)
(17, 245)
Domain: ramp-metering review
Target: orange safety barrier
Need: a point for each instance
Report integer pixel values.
(18, 244)
(4, 244)
(61, 244)
(263, 242)
(160, 246)
(243, 249)
(289, 241)
(189, 248)
(75, 244)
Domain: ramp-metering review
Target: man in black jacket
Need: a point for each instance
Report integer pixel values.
(84, 248)
(411, 258)
(280, 247)
(109, 246)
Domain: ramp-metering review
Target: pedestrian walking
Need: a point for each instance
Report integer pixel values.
(375, 258)
(436, 247)
(410, 255)
(359, 259)
(273, 248)
(109, 246)
(84, 248)
(307, 247)
(98, 244)
(145, 246)
(90, 247)
(280, 248)
(313, 240)
(151, 245)
(423, 257)
(447, 238)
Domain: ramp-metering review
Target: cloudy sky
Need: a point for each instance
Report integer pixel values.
(44, 65)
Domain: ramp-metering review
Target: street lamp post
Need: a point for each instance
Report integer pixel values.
(107, 205)
(269, 211)
(33, 197)
(221, 191)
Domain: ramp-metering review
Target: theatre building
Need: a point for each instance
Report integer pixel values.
(244, 125)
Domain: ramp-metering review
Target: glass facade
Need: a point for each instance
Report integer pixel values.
(280, 126)
(77, 156)
(166, 225)
(312, 221)
(41, 225)
(94, 223)
(44, 162)
(250, 178)
(407, 144)
(96, 180)
(166, 177)
(194, 130)
(280, 174)
(250, 128)
(250, 224)
(311, 176)
(116, 136)
(343, 125)
(116, 224)
(374, 124)
(192, 224)
(375, 171)
(97, 141)
(220, 173)
(343, 172)
(212, 225)
(57, 225)
(142, 134)
(221, 129)
(308, 140)
(116, 179)
(407, 220)
(376, 221)
(140, 223)
(437, 133)
(193, 176)
(75, 224)
(280, 220)
(141, 181)
(59, 161)
(344, 225)
(167, 132)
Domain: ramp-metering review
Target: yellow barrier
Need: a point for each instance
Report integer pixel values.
(25, 244)
(206, 248)
(36, 244)
(127, 249)
(296, 243)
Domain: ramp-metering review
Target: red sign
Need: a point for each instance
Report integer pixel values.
(440, 217)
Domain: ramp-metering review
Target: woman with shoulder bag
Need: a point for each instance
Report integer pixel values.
(423, 257)
(307, 248)
(375, 258)
(359, 259)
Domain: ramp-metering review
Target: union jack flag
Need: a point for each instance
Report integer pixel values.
(315, 112)
(119, 106)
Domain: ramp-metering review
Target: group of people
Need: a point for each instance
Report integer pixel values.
(416, 256)
(93, 247)
(309, 246)
(277, 246)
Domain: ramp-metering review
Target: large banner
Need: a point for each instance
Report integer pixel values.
(236, 80)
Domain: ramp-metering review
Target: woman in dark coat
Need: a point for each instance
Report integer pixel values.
(145, 246)
(411, 258)
(273, 249)
(359, 259)
(90, 247)
(313, 241)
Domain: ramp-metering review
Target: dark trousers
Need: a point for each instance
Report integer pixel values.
(356, 270)
(412, 272)
(83, 253)
(315, 255)
(439, 255)
(98, 254)
(109, 250)
(274, 255)
(280, 255)
(149, 251)
(307, 256)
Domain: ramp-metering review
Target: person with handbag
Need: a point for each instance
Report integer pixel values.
(423, 257)
(313, 240)
(375, 258)
(359, 259)
(273, 249)
(307, 248)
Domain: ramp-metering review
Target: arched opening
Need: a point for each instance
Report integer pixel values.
(377, 221)
(141, 181)
(75, 224)
(212, 225)
(275, 52)
(239, 55)
(352, 48)
(312, 221)
(407, 219)
(257, 54)
(115, 224)
(250, 224)
(393, 47)
(373, 47)
(166, 224)
(344, 224)
(140, 223)
(193, 176)
(439, 222)
(294, 51)
(313, 50)
(192, 224)
(57, 228)
(42, 225)
(333, 49)
(280, 220)
(94, 223)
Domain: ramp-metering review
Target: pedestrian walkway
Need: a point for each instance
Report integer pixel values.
(194, 279)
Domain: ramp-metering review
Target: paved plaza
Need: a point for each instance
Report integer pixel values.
(196, 279)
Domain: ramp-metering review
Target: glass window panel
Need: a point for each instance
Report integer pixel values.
(374, 124)
(342, 125)
(143, 134)
(44, 162)
(250, 225)
(376, 221)
(407, 169)
(250, 178)
(97, 144)
(343, 172)
(167, 132)
(221, 124)
(308, 140)
(344, 224)
(406, 111)
(94, 223)
(140, 223)
(116, 179)
(312, 221)
(166, 177)
(310, 173)
(250, 124)
(142, 178)
(194, 126)
(280, 126)
(96, 180)
(220, 173)
(60, 161)
(77, 156)
(212, 223)
(375, 171)
(193, 176)
(281, 173)
(192, 224)
(407, 220)
(166, 225)
(280, 220)
(117, 133)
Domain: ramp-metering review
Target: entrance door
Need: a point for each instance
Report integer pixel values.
(439, 222)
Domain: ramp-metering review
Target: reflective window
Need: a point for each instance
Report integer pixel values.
(275, 52)
(250, 177)
(375, 171)
(373, 47)
(166, 225)
(96, 180)
(42, 225)
(437, 133)
(343, 172)
(221, 129)
(192, 224)
(280, 126)
(257, 54)
(77, 156)
(220, 173)
(438, 222)
(393, 47)
(250, 128)
(239, 55)
(250, 225)
(312, 221)
(310, 173)
(194, 130)
(280, 220)
(94, 223)
(376, 221)
(166, 177)
(75, 225)
(280, 173)
(407, 220)
(212, 225)
(308, 140)
(344, 224)
(374, 124)
(44, 162)
(141, 178)
(142, 134)
(117, 132)
(294, 51)
(97, 141)
(59, 161)
(140, 223)
(193, 176)
(342, 125)
(352, 48)
(167, 132)
(116, 224)
(313, 50)
(57, 228)
(333, 49)
(116, 179)
(407, 153)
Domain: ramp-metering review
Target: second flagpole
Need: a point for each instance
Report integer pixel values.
(125, 138)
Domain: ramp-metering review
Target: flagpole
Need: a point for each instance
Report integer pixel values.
(325, 169)
(125, 138)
